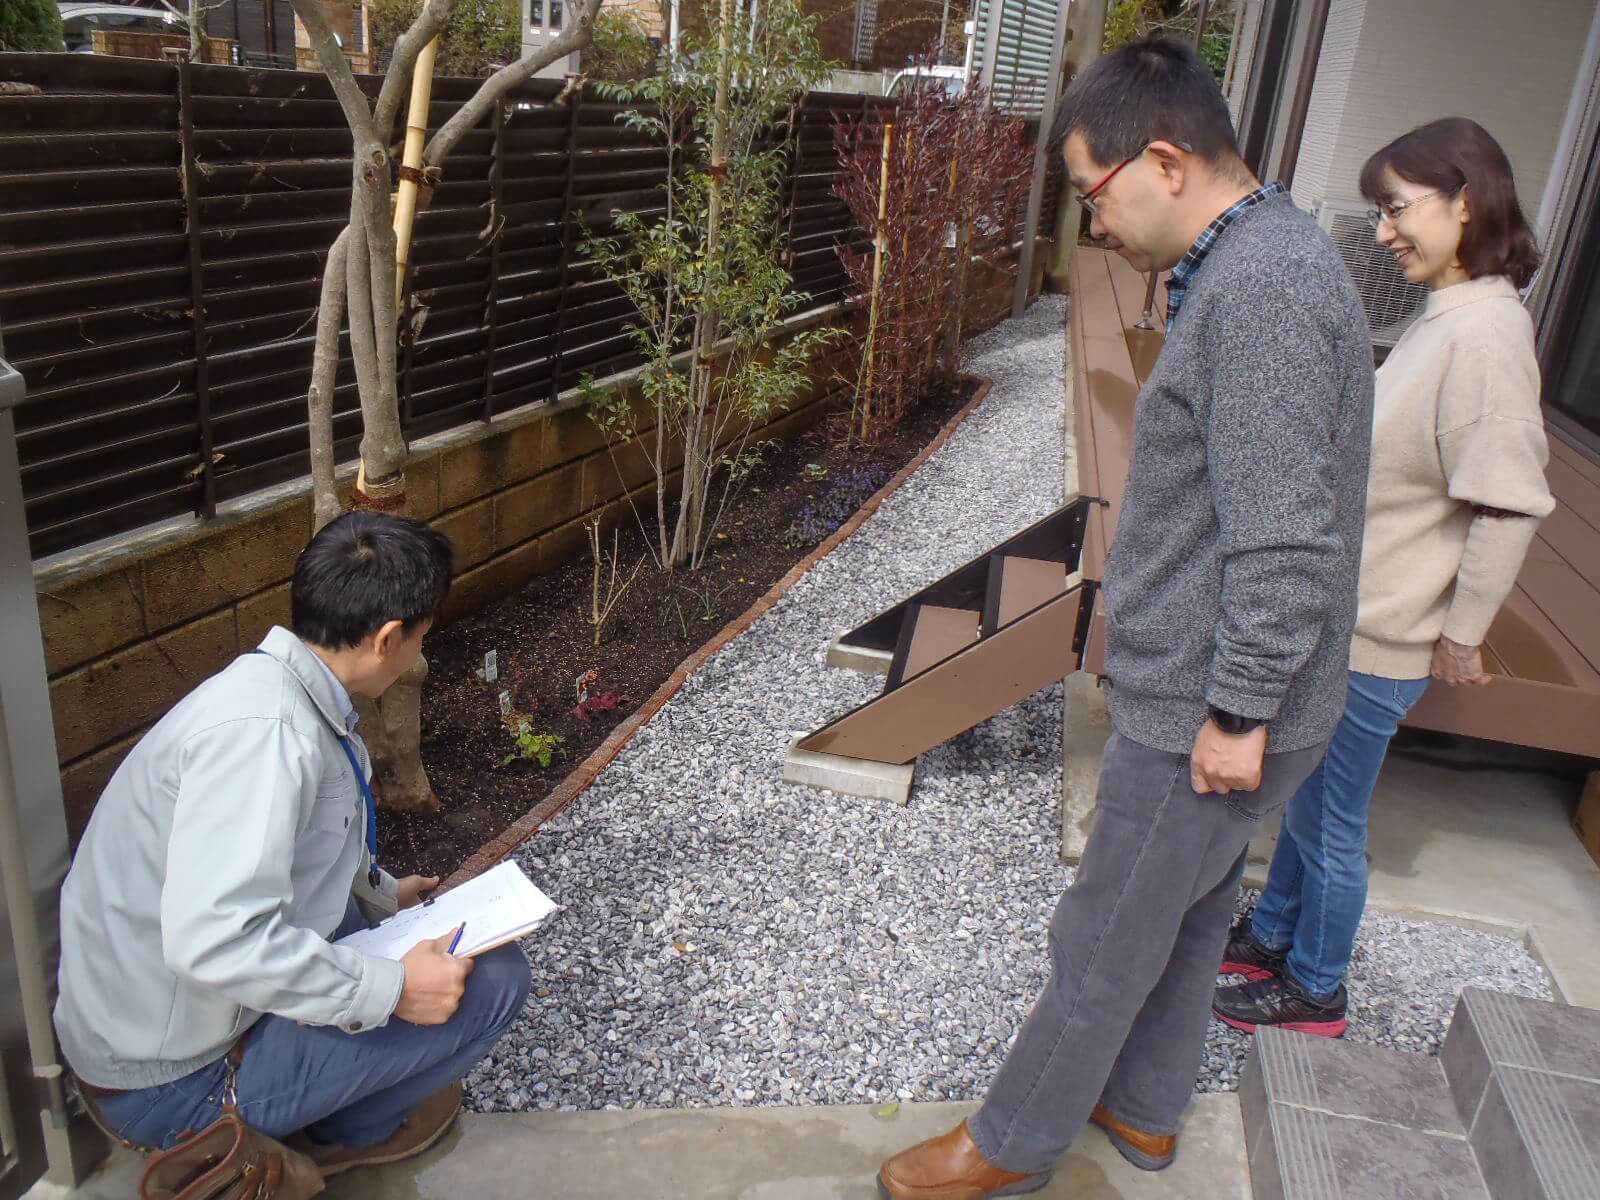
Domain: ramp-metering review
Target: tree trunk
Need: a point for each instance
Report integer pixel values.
(197, 31)
(362, 270)
(699, 457)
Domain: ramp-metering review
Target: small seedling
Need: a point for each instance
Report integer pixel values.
(815, 471)
(607, 700)
(532, 746)
(603, 601)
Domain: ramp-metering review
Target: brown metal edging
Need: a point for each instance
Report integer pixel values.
(197, 297)
(580, 778)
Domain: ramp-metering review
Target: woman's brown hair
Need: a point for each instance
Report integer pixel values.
(1458, 153)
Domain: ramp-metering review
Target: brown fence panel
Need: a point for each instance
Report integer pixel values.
(163, 230)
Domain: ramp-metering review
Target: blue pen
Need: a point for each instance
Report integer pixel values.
(456, 941)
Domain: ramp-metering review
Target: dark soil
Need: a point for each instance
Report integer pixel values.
(543, 639)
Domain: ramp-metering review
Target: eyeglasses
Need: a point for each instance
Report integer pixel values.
(1088, 198)
(1393, 212)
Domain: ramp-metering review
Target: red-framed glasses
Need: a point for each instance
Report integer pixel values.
(1088, 198)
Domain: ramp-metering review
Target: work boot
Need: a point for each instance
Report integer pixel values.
(420, 1131)
(1282, 1002)
(1249, 956)
(951, 1167)
(1147, 1151)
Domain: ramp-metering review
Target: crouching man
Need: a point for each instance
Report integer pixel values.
(230, 851)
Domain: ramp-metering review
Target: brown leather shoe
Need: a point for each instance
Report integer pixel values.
(951, 1167)
(1147, 1151)
(429, 1122)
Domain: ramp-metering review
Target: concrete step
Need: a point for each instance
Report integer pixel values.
(1525, 1079)
(1333, 1120)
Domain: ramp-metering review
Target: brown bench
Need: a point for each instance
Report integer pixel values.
(1545, 646)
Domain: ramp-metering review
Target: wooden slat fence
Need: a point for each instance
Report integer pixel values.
(162, 234)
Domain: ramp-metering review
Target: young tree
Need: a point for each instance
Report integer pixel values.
(361, 278)
(934, 179)
(707, 276)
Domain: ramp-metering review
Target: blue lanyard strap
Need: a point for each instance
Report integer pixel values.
(367, 798)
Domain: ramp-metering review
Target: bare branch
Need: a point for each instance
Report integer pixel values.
(324, 379)
(429, 24)
(334, 64)
(576, 36)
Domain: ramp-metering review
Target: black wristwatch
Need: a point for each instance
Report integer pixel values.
(1233, 723)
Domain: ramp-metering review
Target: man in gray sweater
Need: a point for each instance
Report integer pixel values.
(1231, 598)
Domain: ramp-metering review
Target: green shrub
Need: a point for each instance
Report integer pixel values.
(30, 25)
(621, 51)
(481, 34)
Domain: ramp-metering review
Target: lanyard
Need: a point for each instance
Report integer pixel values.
(367, 799)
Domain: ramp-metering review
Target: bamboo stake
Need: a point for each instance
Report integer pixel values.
(878, 247)
(405, 208)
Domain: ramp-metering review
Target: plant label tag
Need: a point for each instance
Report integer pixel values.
(491, 667)
(505, 704)
(950, 238)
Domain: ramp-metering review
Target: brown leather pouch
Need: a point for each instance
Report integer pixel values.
(229, 1161)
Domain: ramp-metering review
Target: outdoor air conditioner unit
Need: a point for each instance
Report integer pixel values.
(1391, 301)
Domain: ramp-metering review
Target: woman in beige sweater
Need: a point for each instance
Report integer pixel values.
(1455, 494)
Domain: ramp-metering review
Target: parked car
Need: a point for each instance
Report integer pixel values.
(80, 18)
(952, 79)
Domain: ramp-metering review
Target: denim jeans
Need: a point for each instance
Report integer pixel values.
(1317, 887)
(343, 1088)
(1134, 948)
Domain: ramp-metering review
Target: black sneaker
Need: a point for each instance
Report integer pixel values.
(1281, 1002)
(1247, 955)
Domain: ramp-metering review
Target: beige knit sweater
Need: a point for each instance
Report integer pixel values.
(1456, 429)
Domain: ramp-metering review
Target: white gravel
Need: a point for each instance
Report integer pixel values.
(729, 939)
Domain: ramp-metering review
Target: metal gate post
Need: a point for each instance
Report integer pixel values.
(47, 1128)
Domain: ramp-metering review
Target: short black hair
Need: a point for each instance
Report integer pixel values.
(1158, 88)
(363, 570)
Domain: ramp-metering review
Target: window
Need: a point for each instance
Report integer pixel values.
(1570, 338)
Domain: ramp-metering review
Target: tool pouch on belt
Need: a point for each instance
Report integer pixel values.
(229, 1161)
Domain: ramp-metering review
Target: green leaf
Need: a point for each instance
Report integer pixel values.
(888, 1112)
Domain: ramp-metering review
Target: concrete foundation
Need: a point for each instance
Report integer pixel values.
(1088, 728)
(850, 776)
(857, 658)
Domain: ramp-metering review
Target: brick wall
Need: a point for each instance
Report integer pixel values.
(123, 44)
(131, 628)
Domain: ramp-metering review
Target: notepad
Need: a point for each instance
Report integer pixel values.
(497, 907)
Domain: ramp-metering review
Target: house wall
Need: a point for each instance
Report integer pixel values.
(1392, 67)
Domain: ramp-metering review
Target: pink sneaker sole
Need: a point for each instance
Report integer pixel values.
(1330, 1029)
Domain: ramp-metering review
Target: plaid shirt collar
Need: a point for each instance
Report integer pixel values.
(1189, 265)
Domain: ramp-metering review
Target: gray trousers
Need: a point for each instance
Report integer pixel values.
(1134, 948)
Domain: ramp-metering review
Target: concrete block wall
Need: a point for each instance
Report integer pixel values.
(130, 628)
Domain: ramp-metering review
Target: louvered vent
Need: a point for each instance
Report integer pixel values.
(1390, 300)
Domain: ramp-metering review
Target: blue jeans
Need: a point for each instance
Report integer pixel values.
(1317, 887)
(351, 1089)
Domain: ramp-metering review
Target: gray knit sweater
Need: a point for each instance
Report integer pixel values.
(1233, 578)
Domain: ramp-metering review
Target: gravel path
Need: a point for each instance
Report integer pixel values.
(729, 939)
